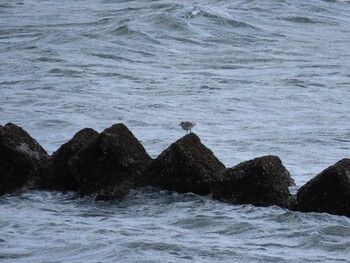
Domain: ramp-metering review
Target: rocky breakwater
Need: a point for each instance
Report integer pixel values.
(328, 192)
(263, 181)
(21, 158)
(185, 166)
(108, 166)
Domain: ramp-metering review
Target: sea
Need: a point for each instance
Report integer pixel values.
(259, 77)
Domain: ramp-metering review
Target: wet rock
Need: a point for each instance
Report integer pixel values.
(262, 181)
(186, 166)
(328, 192)
(20, 157)
(293, 203)
(57, 175)
(109, 164)
(114, 192)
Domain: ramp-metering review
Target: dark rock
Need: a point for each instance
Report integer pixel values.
(110, 163)
(328, 192)
(20, 157)
(262, 181)
(115, 192)
(293, 203)
(186, 166)
(57, 175)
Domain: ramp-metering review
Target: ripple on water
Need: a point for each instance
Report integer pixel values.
(245, 71)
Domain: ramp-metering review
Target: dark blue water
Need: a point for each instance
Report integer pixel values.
(258, 77)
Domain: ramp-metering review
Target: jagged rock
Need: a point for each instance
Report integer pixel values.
(57, 175)
(328, 192)
(186, 166)
(20, 157)
(110, 163)
(262, 181)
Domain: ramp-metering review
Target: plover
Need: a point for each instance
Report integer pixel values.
(187, 125)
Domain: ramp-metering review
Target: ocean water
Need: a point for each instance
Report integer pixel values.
(258, 77)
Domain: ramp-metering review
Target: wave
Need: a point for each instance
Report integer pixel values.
(216, 15)
(299, 19)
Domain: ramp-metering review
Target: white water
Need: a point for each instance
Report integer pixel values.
(258, 77)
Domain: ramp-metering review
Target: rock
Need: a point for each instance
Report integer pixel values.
(20, 157)
(57, 175)
(109, 164)
(115, 192)
(186, 166)
(293, 203)
(328, 192)
(262, 181)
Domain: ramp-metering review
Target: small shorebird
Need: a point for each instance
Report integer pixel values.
(187, 125)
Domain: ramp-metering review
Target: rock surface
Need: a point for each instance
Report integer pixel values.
(57, 175)
(262, 181)
(20, 157)
(185, 166)
(328, 192)
(110, 163)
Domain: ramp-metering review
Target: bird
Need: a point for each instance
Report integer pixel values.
(187, 125)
